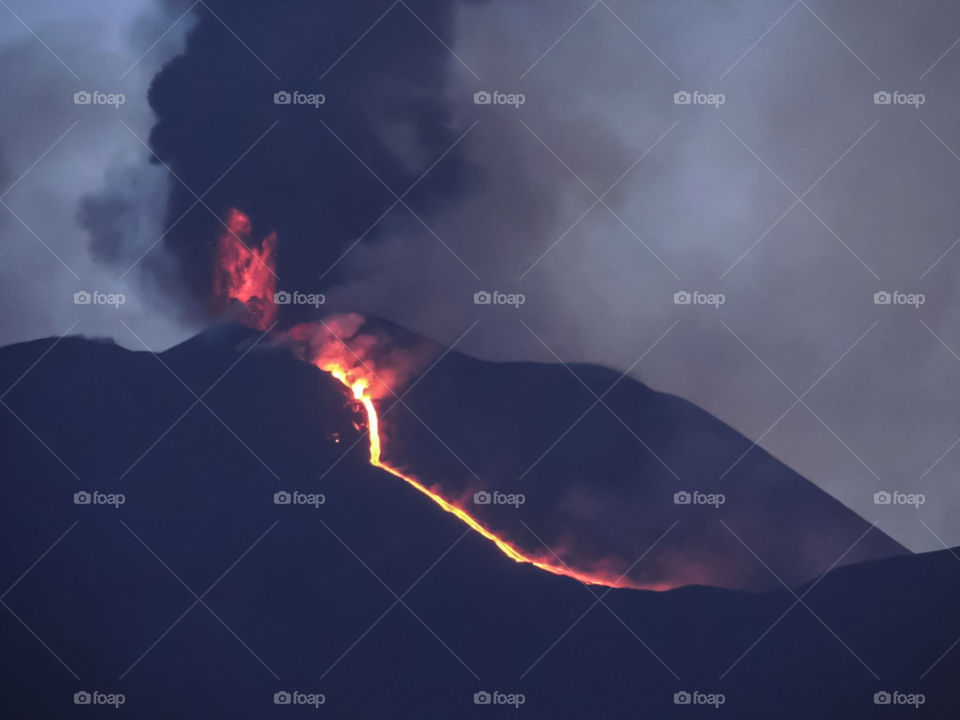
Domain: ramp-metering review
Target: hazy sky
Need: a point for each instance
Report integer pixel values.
(53, 153)
(798, 199)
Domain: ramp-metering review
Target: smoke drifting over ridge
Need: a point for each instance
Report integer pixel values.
(713, 206)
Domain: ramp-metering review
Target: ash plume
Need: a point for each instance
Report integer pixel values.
(316, 174)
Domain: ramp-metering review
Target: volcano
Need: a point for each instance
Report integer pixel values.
(580, 441)
(257, 551)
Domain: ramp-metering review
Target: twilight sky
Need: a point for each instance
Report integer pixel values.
(598, 198)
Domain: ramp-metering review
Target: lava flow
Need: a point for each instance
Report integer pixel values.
(246, 274)
(360, 390)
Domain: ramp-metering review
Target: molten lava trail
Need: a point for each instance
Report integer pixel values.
(246, 273)
(360, 392)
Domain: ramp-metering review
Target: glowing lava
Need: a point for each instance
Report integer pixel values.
(245, 272)
(360, 390)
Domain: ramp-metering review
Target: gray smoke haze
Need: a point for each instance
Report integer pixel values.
(77, 188)
(707, 209)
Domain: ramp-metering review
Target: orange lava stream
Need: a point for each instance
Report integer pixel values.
(245, 272)
(359, 389)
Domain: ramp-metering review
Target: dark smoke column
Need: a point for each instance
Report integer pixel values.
(221, 131)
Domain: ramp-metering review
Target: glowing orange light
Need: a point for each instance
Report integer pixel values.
(359, 388)
(245, 272)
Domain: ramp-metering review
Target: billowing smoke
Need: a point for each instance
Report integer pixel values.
(705, 198)
(362, 122)
(385, 357)
(80, 206)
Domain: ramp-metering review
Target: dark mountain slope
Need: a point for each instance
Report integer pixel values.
(296, 593)
(581, 442)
